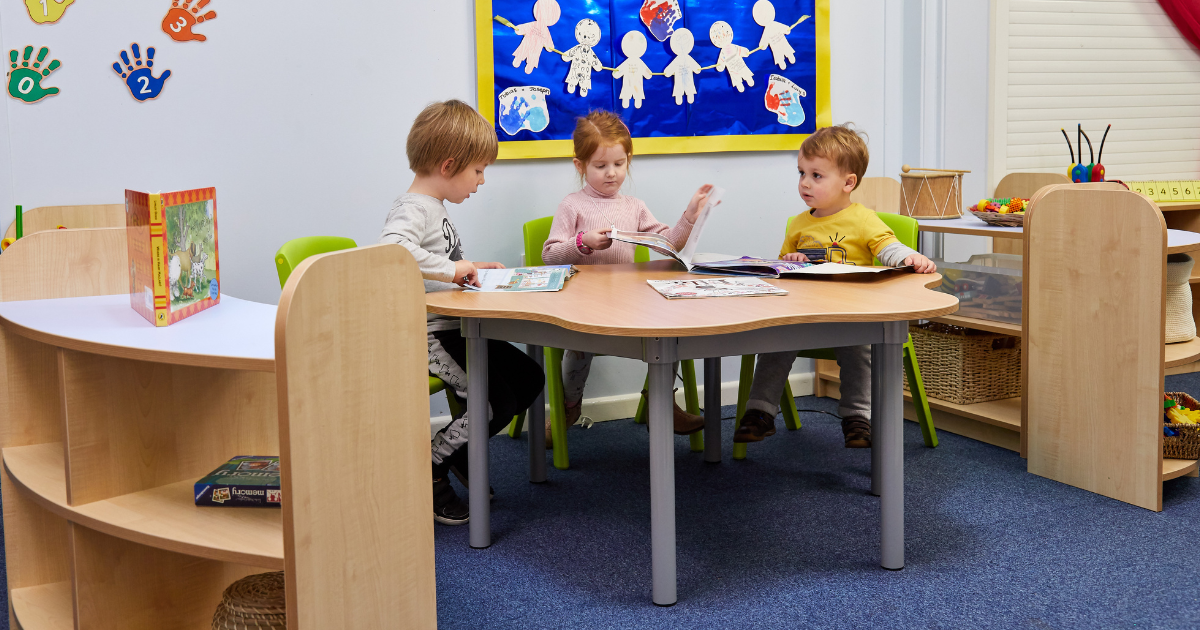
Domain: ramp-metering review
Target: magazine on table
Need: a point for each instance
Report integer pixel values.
(714, 287)
(523, 279)
(766, 268)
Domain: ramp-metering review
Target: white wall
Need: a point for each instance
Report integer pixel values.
(298, 118)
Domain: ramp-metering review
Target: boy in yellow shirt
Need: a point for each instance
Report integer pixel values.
(831, 163)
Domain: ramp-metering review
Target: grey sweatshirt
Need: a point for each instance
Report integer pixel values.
(420, 223)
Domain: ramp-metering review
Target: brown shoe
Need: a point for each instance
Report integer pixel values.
(857, 432)
(573, 413)
(756, 425)
(686, 423)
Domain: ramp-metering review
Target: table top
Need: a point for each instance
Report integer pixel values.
(1178, 241)
(235, 334)
(616, 300)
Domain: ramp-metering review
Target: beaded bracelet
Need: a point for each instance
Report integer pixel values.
(583, 249)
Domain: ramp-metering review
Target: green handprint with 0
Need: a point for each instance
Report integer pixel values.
(25, 77)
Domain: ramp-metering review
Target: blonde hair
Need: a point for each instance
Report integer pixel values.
(842, 145)
(450, 130)
(600, 129)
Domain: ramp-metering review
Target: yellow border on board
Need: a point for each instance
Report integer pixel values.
(529, 149)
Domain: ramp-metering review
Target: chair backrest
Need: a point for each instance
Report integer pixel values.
(881, 194)
(906, 229)
(296, 250)
(1024, 185)
(538, 230)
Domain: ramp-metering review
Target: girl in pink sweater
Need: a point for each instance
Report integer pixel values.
(580, 232)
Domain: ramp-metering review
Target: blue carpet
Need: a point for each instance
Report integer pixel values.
(789, 538)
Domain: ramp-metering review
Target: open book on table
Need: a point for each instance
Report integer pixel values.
(714, 287)
(658, 243)
(524, 279)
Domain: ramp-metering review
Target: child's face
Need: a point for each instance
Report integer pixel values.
(460, 186)
(822, 183)
(606, 169)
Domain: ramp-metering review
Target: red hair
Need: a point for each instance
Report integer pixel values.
(600, 129)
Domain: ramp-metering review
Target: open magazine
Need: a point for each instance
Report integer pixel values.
(714, 287)
(524, 279)
(658, 243)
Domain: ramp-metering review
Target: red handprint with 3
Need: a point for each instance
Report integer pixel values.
(180, 19)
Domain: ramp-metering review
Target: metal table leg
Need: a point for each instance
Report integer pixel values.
(660, 354)
(537, 424)
(889, 440)
(477, 433)
(712, 410)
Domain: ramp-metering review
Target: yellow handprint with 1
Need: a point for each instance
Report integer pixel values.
(47, 11)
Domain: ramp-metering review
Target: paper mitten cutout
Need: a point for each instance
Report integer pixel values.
(583, 60)
(783, 98)
(536, 34)
(732, 57)
(774, 34)
(633, 70)
(660, 16)
(524, 107)
(683, 66)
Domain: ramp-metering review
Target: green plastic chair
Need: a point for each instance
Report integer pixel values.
(296, 250)
(907, 231)
(535, 233)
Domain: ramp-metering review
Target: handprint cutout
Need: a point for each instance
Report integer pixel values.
(180, 19)
(47, 11)
(25, 77)
(140, 80)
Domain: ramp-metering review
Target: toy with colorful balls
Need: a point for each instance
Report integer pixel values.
(1010, 205)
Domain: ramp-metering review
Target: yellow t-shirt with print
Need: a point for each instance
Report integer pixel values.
(852, 236)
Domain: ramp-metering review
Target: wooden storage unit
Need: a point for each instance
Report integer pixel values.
(1001, 422)
(109, 421)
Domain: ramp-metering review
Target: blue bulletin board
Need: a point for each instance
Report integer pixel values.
(669, 68)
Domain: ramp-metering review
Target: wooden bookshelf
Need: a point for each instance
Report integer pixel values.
(110, 421)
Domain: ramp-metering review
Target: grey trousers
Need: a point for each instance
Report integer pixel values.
(576, 367)
(771, 372)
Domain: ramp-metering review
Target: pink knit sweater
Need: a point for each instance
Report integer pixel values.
(589, 210)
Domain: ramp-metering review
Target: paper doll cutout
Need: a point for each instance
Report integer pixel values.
(179, 20)
(583, 60)
(46, 11)
(25, 78)
(660, 16)
(732, 56)
(683, 66)
(633, 70)
(783, 98)
(774, 33)
(140, 79)
(524, 107)
(536, 34)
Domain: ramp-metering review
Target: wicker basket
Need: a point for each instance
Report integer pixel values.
(1001, 220)
(255, 602)
(965, 366)
(1186, 443)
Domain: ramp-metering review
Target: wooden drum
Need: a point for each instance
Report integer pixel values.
(931, 194)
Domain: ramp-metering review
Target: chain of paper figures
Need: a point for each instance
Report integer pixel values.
(536, 37)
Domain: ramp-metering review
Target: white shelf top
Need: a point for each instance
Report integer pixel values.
(234, 334)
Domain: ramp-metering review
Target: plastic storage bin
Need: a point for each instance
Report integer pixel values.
(988, 286)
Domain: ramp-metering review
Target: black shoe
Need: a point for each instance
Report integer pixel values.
(447, 508)
(857, 432)
(465, 481)
(755, 426)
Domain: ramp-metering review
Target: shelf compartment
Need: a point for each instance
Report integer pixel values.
(1183, 353)
(164, 517)
(1003, 328)
(45, 607)
(1172, 468)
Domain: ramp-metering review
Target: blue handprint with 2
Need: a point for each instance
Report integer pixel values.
(139, 78)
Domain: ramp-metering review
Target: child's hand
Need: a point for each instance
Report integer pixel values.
(920, 263)
(795, 257)
(697, 202)
(488, 265)
(598, 239)
(465, 273)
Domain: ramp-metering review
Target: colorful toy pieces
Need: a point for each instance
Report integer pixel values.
(1175, 413)
(1079, 172)
(1011, 205)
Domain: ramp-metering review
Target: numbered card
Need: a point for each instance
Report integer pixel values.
(1190, 191)
(1174, 191)
(1151, 190)
(1138, 187)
